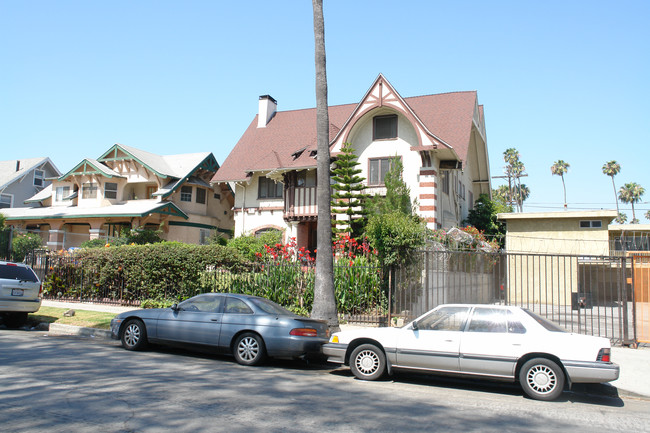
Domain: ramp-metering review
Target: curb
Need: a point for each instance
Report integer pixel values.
(78, 331)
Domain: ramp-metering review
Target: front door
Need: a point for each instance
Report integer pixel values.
(435, 341)
(196, 321)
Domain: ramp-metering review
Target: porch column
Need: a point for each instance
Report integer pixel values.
(96, 231)
(56, 236)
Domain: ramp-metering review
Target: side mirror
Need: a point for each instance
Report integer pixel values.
(414, 325)
(175, 307)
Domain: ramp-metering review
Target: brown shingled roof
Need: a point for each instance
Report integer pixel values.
(447, 115)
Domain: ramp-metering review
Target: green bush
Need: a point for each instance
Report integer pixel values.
(396, 237)
(23, 244)
(249, 246)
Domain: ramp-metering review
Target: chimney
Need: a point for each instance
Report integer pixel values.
(268, 106)
(18, 165)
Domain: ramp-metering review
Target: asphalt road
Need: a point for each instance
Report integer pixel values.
(61, 384)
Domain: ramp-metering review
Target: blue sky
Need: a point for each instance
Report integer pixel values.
(559, 80)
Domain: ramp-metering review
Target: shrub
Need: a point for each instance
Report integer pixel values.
(396, 236)
(250, 246)
(24, 244)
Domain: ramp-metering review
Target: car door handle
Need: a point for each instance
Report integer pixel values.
(214, 320)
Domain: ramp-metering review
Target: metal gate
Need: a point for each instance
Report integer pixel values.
(584, 294)
(641, 281)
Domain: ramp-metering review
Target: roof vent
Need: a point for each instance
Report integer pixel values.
(268, 107)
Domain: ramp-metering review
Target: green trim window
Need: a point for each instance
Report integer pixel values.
(384, 127)
(200, 195)
(89, 190)
(268, 188)
(186, 193)
(110, 190)
(39, 178)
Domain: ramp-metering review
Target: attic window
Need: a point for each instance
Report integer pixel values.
(39, 176)
(89, 190)
(384, 127)
(591, 224)
(297, 153)
(110, 190)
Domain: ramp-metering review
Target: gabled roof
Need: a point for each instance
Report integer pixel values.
(91, 166)
(289, 139)
(9, 175)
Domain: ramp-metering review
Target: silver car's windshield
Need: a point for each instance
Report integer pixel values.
(547, 324)
(270, 307)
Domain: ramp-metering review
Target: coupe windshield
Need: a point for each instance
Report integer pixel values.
(547, 324)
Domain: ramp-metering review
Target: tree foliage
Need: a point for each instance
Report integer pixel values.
(23, 244)
(631, 193)
(348, 199)
(484, 218)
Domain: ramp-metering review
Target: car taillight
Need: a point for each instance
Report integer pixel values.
(40, 291)
(304, 332)
(604, 355)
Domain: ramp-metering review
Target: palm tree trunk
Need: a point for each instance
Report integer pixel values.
(564, 188)
(324, 306)
(615, 198)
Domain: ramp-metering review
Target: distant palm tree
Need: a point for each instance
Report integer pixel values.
(647, 215)
(631, 193)
(621, 218)
(559, 168)
(612, 168)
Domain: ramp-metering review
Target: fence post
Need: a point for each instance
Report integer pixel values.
(390, 296)
(624, 299)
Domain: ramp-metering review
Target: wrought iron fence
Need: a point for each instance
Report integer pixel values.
(584, 294)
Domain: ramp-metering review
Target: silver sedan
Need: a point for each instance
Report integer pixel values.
(248, 327)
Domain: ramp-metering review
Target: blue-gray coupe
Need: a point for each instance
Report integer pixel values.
(248, 327)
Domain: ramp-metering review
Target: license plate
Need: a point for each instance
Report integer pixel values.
(17, 292)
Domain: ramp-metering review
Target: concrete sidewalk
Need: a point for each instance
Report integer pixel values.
(634, 379)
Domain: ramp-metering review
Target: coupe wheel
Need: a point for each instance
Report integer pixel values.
(134, 335)
(249, 349)
(542, 379)
(368, 362)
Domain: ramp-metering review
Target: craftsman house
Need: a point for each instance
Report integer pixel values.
(440, 139)
(128, 187)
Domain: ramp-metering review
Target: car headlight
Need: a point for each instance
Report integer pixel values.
(334, 339)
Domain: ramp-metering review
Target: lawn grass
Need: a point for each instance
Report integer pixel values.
(87, 319)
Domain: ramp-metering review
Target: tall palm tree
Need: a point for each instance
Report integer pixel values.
(324, 306)
(647, 215)
(631, 193)
(612, 168)
(559, 168)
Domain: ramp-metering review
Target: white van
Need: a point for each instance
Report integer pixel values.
(20, 293)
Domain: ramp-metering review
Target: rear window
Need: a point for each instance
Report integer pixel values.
(270, 307)
(550, 326)
(21, 273)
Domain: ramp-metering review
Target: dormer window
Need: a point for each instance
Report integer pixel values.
(186, 193)
(110, 190)
(384, 127)
(89, 190)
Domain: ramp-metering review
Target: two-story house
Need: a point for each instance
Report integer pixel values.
(129, 187)
(440, 139)
(22, 178)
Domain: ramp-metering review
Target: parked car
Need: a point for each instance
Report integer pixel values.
(483, 341)
(248, 327)
(20, 293)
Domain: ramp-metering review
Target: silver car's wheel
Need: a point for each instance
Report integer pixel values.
(134, 335)
(368, 362)
(249, 349)
(542, 379)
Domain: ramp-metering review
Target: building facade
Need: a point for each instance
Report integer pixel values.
(440, 140)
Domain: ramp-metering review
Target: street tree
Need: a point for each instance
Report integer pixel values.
(515, 170)
(631, 193)
(324, 306)
(611, 169)
(559, 168)
(348, 199)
